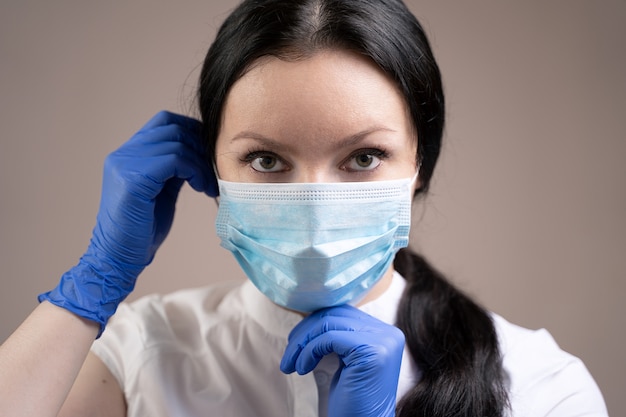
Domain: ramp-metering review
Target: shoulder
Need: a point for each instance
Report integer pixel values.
(172, 323)
(545, 380)
(181, 314)
(198, 345)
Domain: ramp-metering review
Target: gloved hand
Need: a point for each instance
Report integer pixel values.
(370, 354)
(141, 183)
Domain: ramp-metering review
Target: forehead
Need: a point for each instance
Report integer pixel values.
(332, 88)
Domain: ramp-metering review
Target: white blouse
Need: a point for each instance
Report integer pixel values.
(216, 351)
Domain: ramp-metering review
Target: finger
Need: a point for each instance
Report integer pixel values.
(344, 310)
(164, 118)
(170, 128)
(348, 320)
(366, 349)
(171, 139)
(328, 315)
(344, 343)
(146, 177)
(164, 209)
(319, 320)
(188, 168)
(189, 134)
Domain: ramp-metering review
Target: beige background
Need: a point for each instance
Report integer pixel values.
(527, 210)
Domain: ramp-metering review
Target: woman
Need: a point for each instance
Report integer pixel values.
(321, 120)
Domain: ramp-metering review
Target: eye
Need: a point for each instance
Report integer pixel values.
(264, 162)
(365, 160)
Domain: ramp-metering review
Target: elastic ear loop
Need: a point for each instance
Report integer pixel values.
(217, 177)
(414, 179)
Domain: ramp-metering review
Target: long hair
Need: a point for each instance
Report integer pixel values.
(451, 338)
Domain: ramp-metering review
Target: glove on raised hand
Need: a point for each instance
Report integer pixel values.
(140, 186)
(370, 354)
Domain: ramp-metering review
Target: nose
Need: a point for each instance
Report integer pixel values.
(315, 174)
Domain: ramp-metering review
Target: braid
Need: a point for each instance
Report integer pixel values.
(454, 344)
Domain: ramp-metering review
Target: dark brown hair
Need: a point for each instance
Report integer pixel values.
(450, 337)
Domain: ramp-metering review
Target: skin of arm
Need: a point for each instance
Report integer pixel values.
(41, 359)
(95, 393)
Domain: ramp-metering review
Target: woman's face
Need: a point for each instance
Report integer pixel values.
(332, 117)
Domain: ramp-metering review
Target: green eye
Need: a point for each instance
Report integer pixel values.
(264, 162)
(364, 161)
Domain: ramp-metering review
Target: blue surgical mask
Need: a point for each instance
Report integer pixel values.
(312, 245)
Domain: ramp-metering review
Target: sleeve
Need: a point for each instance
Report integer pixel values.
(569, 391)
(546, 381)
(125, 341)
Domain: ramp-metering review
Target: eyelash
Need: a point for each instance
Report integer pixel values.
(374, 152)
(254, 154)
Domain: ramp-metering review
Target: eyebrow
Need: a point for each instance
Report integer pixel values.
(248, 134)
(350, 140)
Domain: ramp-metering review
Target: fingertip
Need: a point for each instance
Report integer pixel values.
(286, 366)
(159, 119)
(164, 118)
(212, 190)
(202, 184)
(305, 363)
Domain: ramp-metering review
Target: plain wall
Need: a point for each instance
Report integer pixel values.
(527, 207)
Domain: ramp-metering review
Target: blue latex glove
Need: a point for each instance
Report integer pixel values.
(370, 354)
(141, 183)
